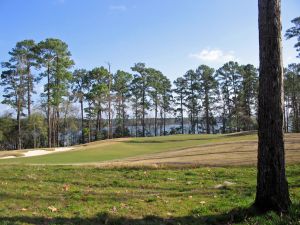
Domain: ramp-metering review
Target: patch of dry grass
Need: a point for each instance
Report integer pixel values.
(235, 153)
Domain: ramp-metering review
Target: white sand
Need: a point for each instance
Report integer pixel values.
(39, 152)
(35, 153)
(8, 157)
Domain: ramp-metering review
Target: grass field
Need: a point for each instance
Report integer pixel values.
(89, 195)
(183, 179)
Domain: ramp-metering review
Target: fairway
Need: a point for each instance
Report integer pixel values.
(210, 150)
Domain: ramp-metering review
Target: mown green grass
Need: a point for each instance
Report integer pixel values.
(103, 150)
(89, 195)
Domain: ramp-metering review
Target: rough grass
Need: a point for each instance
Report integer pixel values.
(89, 195)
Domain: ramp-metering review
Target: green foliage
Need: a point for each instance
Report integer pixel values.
(292, 97)
(7, 132)
(238, 86)
(191, 102)
(295, 32)
(35, 131)
(209, 94)
(121, 87)
(54, 56)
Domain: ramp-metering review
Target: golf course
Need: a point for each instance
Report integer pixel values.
(180, 179)
(153, 112)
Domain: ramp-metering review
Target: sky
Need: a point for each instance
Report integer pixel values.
(172, 36)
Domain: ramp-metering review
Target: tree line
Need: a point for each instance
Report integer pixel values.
(87, 105)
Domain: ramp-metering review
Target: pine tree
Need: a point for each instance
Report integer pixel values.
(272, 188)
(155, 81)
(192, 98)
(13, 81)
(55, 58)
(141, 80)
(121, 86)
(295, 32)
(292, 94)
(79, 86)
(208, 90)
(100, 96)
(166, 99)
(229, 78)
(247, 98)
(179, 98)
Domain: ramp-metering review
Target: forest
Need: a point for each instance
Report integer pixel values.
(79, 106)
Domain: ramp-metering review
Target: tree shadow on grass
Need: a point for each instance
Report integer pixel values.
(234, 216)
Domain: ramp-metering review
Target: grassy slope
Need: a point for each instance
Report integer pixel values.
(119, 149)
(88, 195)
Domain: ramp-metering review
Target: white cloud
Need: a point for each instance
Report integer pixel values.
(120, 8)
(214, 55)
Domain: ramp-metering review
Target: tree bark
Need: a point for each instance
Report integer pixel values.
(207, 110)
(123, 116)
(48, 107)
(19, 123)
(82, 132)
(181, 111)
(57, 126)
(136, 118)
(29, 91)
(143, 109)
(272, 187)
(109, 106)
(97, 126)
(155, 118)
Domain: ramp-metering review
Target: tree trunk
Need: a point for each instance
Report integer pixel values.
(53, 127)
(287, 116)
(123, 116)
(181, 109)
(100, 122)
(82, 133)
(143, 112)
(207, 111)
(29, 80)
(48, 107)
(97, 126)
(224, 120)
(89, 124)
(109, 105)
(34, 135)
(164, 123)
(272, 187)
(57, 126)
(161, 123)
(155, 119)
(136, 118)
(19, 143)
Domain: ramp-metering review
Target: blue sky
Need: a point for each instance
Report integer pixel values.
(170, 35)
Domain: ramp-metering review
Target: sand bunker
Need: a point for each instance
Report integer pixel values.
(40, 152)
